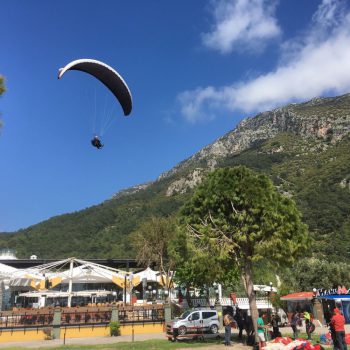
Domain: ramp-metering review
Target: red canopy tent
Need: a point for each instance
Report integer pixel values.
(299, 296)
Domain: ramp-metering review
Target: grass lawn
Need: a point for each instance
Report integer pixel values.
(156, 344)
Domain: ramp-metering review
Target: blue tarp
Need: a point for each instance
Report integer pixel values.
(345, 302)
(334, 296)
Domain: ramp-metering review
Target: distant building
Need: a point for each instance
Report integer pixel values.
(7, 254)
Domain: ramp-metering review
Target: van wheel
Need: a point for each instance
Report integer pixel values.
(214, 329)
(182, 330)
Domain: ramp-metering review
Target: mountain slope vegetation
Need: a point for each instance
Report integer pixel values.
(304, 148)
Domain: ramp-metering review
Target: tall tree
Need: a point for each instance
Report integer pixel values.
(151, 242)
(240, 215)
(198, 268)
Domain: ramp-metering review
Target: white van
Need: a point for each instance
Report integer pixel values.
(194, 322)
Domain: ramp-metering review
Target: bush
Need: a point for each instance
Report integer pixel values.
(114, 328)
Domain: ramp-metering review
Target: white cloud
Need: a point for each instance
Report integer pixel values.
(318, 64)
(329, 13)
(241, 25)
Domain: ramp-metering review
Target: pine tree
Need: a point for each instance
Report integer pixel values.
(239, 215)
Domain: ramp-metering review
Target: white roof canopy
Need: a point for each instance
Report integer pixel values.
(55, 294)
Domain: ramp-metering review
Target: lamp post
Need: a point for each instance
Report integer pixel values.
(125, 281)
(269, 299)
(314, 301)
(144, 286)
(166, 293)
(217, 301)
(149, 293)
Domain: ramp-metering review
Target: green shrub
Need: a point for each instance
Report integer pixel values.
(114, 328)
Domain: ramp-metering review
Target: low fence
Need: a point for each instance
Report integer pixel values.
(24, 325)
(80, 316)
(27, 318)
(140, 315)
(74, 317)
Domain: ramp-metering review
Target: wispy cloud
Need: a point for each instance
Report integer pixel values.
(242, 25)
(318, 63)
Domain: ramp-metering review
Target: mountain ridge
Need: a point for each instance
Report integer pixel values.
(302, 147)
(276, 117)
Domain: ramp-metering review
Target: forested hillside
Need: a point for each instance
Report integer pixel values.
(304, 148)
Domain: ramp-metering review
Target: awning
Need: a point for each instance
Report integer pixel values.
(335, 296)
(298, 296)
(151, 276)
(57, 294)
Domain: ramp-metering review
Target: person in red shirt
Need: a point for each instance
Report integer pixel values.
(338, 323)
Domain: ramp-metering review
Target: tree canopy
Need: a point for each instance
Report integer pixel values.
(151, 241)
(199, 268)
(240, 215)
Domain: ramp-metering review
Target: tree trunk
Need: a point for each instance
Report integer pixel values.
(207, 296)
(249, 288)
(188, 297)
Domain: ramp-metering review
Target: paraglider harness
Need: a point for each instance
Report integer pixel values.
(96, 142)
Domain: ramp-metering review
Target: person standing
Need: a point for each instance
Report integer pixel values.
(239, 318)
(294, 324)
(308, 324)
(228, 320)
(275, 326)
(338, 323)
(310, 328)
(261, 331)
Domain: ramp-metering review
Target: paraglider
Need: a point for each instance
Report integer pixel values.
(96, 142)
(107, 76)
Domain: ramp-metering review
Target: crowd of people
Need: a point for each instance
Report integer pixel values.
(243, 322)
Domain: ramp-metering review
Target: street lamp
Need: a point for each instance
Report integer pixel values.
(144, 286)
(314, 301)
(269, 299)
(154, 292)
(149, 293)
(217, 301)
(166, 293)
(125, 277)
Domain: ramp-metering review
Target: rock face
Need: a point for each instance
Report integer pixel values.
(185, 183)
(131, 190)
(319, 119)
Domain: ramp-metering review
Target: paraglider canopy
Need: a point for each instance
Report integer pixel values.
(106, 75)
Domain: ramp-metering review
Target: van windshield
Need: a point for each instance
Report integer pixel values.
(184, 315)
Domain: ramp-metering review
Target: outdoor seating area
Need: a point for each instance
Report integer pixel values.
(74, 282)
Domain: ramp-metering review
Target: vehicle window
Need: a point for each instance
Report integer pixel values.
(195, 316)
(184, 315)
(208, 314)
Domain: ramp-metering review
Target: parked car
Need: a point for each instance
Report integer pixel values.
(193, 322)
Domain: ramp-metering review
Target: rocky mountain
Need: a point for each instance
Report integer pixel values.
(304, 148)
(321, 119)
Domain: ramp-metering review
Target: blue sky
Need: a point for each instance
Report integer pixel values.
(195, 69)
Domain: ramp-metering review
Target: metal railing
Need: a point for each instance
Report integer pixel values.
(141, 315)
(80, 316)
(85, 317)
(26, 319)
